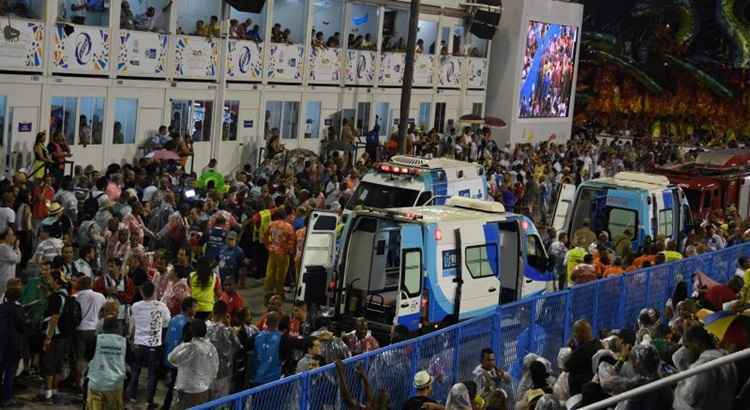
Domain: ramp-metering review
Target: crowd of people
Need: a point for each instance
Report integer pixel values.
(140, 267)
(149, 20)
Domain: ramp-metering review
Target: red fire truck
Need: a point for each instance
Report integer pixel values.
(717, 179)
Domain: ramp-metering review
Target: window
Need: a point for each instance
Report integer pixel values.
(620, 220)
(126, 120)
(62, 117)
(363, 116)
(411, 280)
(536, 255)
(665, 222)
(364, 27)
(312, 119)
(476, 109)
(146, 15)
(252, 25)
(478, 262)
(477, 46)
(90, 120)
(281, 117)
(289, 21)
(327, 19)
(382, 196)
(440, 117)
(382, 111)
(424, 116)
(3, 102)
(458, 40)
(194, 17)
(192, 119)
(82, 117)
(231, 116)
(89, 13)
(29, 9)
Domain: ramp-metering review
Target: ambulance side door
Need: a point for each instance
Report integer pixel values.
(411, 284)
(480, 266)
(319, 248)
(564, 207)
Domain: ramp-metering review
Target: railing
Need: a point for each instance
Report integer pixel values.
(540, 324)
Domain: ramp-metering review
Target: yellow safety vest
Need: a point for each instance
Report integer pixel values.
(575, 256)
(204, 296)
(265, 221)
(671, 256)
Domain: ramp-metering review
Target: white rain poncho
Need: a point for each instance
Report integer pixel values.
(197, 364)
(712, 389)
(458, 398)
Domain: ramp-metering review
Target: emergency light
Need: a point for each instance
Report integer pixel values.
(400, 170)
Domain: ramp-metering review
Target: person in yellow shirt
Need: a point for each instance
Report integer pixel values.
(574, 257)
(214, 28)
(200, 29)
(671, 253)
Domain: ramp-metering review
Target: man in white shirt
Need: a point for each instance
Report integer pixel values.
(149, 318)
(91, 303)
(7, 215)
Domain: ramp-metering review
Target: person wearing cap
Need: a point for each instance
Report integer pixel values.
(230, 257)
(422, 400)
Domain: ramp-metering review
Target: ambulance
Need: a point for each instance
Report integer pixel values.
(407, 181)
(414, 266)
(646, 205)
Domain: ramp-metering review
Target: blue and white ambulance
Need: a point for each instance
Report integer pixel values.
(646, 205)
(406, 181)
(414, 266)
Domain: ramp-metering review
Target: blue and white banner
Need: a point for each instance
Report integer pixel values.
(80, 49)
(423, 69)
(360, 67)
(325, 65)
(451, 71)
(196, 57)
(26, 51)
(142, 53)
(477, 74)
(392, 68)
(358, 21)
(285, 62)
(244, 61)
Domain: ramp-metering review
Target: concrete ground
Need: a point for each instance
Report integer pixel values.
(28, 388)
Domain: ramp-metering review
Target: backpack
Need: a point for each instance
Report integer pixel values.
(70, 316)
(91, 206)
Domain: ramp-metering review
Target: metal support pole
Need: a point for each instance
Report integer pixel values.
(411, 45)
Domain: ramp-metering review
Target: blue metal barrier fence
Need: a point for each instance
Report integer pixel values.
(540, 324)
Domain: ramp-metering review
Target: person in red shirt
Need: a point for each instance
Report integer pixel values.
(280, 241)
(231, 297)
(717, 295)
(42, 195)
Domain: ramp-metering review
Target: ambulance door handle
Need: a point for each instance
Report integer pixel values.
(490, 290)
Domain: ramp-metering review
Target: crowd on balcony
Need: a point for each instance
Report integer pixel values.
(17, 8)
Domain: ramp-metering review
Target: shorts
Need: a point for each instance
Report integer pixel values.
(105, 400)
(53, 360)
(84, 346)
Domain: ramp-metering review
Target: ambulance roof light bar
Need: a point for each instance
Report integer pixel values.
(476, 204)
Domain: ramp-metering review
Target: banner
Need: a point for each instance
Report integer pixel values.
(142, 53)
(196, 57)
(25, 52)
(286, 62)
(392, 68)
(245, 60)
(423, 69)
(80, 49)
(477, 72)
(325, 65)
(451, 71)
(360, 67)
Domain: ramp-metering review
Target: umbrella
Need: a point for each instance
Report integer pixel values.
(471, 118)
(494, 122)
(212, 176)
(163, 155)
(718, 323)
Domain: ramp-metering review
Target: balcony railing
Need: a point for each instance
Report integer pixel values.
(80, 49)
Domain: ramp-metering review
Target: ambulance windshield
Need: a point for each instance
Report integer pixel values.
(382, 196)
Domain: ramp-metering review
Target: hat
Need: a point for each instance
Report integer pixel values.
(422, 380)
(232, 235)
(54, 209)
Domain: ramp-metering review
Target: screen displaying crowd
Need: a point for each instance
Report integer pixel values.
(548, 68)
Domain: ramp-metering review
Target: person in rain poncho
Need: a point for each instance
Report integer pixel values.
(526, 383)
(712, 389)
(548, 402)
(197, 363)
(560, 388)
(458, 398)
(645, 360)
(106, 372)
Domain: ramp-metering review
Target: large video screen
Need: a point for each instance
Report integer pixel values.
(547, 73)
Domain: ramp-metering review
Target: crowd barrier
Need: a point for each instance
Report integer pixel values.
(540, 324)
